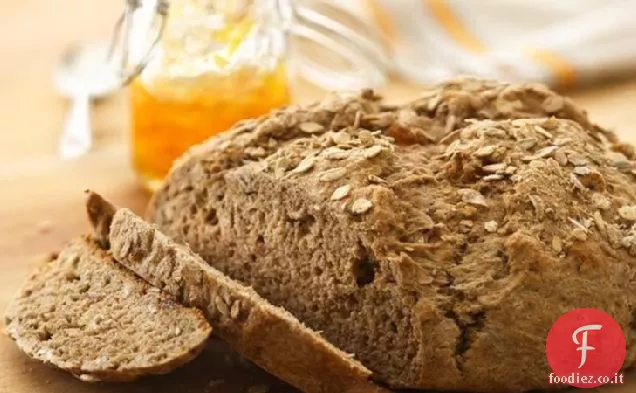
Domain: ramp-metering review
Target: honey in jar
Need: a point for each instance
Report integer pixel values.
(164, 126)
(216, 63)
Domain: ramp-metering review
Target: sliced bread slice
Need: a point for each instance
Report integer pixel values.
(268, 335)
(84, 313)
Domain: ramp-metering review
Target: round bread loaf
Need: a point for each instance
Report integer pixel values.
(438, 240)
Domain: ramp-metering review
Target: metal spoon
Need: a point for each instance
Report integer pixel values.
(83, 74)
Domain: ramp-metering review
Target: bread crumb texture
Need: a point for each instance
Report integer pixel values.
(438, 240)
(82, 312)
(269, 336)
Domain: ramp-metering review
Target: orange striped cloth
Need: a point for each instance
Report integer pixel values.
(558, 42)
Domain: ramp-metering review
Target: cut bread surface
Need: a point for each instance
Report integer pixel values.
(84, 313)
(269, 336)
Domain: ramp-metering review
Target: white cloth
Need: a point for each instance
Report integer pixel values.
(559, 42)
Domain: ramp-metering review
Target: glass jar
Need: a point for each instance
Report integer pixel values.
(196, 67)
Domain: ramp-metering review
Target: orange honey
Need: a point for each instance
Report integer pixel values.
(168, 117)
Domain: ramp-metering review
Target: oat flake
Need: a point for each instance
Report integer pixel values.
(491, 226)
(576, 182)
(561, 141)
(305, 165)
(538, 205)
(528, 143)
(579, 234)
(541, 131)
(235, 309)
(372, 151)
(560, 157)
(600, 201)
(510, 170)
(577, 159)
(221, 306)
(376, 179)
(494, 168)
(599, 222)
(493, 177)
(556, 244)
(341, 138)
(472, 196)
(361, 206)
(627, 241)
(333, 174)
(311, 128)
(335, 153)
(541, 153)
(628, 212)
(581, 170)
(341, 192)
(485, 151)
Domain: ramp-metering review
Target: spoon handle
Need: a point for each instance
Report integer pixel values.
(76, 138)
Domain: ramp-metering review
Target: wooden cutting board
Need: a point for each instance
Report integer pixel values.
(41, 206)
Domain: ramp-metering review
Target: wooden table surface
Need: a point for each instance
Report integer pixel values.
(41, 197)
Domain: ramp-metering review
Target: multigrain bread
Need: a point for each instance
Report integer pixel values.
(267, 335)
(438, 241)
(84, 313)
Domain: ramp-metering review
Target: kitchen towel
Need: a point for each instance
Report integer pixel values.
(562, 42)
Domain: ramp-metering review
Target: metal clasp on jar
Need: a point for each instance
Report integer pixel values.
(145, 30)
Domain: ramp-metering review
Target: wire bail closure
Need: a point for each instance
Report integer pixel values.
(120, 43)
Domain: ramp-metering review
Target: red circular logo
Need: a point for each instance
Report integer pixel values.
(585, 348)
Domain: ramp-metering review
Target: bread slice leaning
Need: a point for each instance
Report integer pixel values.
(268, 335)
(84, 313)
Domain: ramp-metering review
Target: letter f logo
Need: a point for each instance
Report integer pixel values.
(584, 347)
(575, 329)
